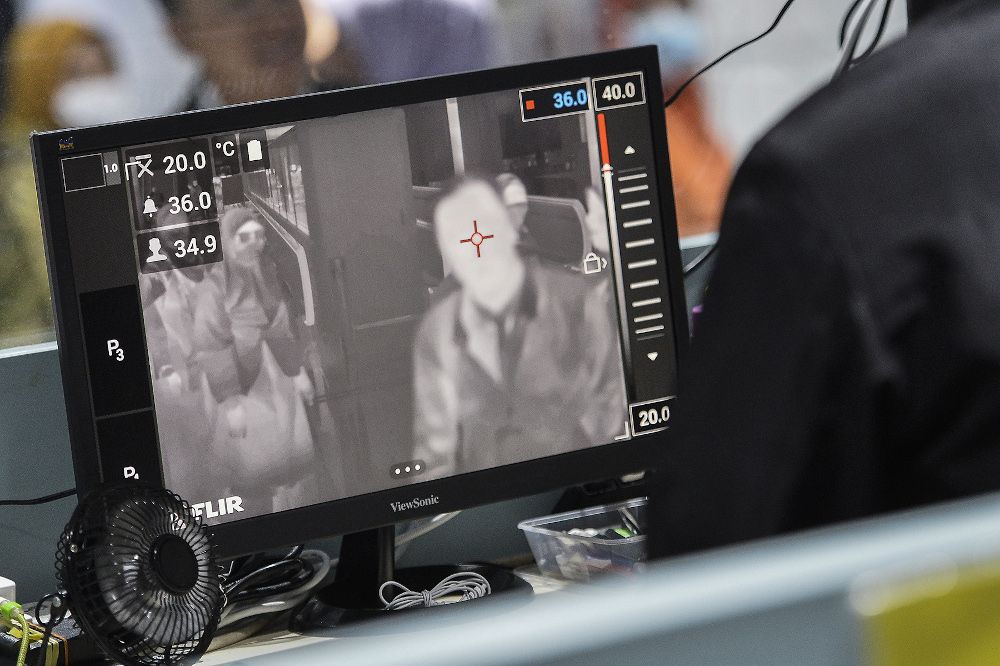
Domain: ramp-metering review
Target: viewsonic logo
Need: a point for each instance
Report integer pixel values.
(415, 503)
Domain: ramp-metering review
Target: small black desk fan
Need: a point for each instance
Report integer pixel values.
(136, 568)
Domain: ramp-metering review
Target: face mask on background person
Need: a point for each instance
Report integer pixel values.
(92, 100)
(677, 34)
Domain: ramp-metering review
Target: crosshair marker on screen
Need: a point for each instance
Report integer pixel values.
(476, 238)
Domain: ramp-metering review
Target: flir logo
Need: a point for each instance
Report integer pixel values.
(225, 506)
(415, 503)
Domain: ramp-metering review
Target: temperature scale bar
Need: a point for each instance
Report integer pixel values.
(644, 298)
(634, 190)
(607, 174)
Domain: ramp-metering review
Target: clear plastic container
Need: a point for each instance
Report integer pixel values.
(582, 557)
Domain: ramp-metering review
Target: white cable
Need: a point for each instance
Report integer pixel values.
(265, 607)
(470, 585)
(279, 602)
(237, 611)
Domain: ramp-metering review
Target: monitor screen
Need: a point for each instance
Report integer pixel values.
(327, 313)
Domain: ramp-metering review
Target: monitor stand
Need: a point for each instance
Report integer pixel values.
(367, 559)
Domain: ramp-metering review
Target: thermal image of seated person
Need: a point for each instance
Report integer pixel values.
(521, 361)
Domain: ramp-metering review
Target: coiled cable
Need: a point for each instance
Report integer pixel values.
(470, 585)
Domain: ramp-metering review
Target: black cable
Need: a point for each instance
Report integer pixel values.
(39, 500)
(847, 22)
(852, 45)
(777, 20)
(879, 34)
(57, 612)
(254, 593)
(265, 574)
(248, 564)
(261, 575)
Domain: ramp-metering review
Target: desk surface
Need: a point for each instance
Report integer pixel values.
(279, 641)
(781, 601)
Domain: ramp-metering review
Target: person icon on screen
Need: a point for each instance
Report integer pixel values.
(156, 251)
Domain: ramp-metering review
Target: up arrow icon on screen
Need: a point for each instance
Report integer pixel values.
(630, 151)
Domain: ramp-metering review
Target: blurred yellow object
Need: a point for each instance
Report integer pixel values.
(37, 59)
(949, 617)
(25, 305)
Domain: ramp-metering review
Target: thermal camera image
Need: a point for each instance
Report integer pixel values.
(352, 303)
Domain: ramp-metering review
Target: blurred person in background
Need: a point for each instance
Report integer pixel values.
(249, 50)
(150, 74)
(332, 61)
(700, 166)
(42, 62)
(69, 63)
(407, 39)
(540, 30)
(254, 50)
(51, 68)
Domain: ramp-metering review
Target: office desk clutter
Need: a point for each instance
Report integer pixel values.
(322, 315)
(588, 543)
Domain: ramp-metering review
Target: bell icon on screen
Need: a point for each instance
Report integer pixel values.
(149, 208)
(254, 152)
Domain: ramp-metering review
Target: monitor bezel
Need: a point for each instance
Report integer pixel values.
(370, 510)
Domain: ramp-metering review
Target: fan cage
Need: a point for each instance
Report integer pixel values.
(104, 563)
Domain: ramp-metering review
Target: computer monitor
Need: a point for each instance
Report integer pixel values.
(318, 315)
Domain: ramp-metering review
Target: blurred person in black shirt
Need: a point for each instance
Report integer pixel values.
(848, 361)
(407, 39)
(251, 50)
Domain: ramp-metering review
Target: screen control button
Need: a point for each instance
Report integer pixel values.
(116, 350)
(128, 447)
(407, 469)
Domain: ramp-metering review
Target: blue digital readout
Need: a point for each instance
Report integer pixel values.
(568, 99)
(555, 100)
